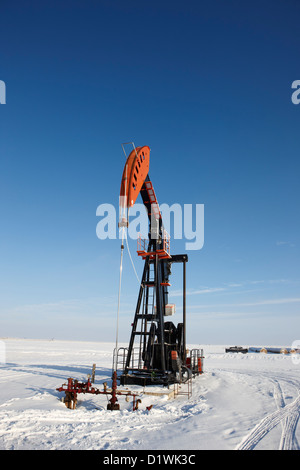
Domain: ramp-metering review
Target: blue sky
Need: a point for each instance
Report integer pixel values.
(207, 86)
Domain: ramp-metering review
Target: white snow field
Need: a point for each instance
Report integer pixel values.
(242, 401)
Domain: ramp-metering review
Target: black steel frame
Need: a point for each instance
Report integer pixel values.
(156, 338)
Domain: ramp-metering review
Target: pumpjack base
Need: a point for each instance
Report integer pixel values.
(147, 379)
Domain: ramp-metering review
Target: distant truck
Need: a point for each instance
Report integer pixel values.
(236, 349)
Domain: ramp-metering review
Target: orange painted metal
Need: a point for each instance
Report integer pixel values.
(152, 199)
(164, 253)
(134, 174)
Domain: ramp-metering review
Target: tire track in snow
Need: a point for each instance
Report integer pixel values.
(289, 413)
(288, 439)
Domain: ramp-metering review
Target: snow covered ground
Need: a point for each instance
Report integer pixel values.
(242, 401)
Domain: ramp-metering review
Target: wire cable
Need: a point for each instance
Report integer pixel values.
(119, 297)
(138, 279)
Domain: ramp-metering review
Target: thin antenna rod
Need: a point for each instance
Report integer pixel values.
(119, 297)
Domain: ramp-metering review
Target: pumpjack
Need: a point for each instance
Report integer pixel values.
(157, 347)
(157, 353)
